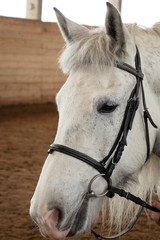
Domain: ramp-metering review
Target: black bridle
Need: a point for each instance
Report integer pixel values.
(120, 141)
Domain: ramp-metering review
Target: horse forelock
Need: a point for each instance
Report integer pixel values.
(95, 48)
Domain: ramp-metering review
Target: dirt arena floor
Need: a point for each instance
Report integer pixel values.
(25, 135)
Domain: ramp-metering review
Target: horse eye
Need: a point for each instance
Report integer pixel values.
(106, 108)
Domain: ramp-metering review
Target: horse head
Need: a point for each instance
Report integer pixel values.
(91, 106)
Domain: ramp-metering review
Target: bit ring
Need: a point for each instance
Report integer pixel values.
(91, 193)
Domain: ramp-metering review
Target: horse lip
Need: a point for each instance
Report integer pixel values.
(78, 219)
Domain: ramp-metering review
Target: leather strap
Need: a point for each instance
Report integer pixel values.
(133, 198)
(78, 155)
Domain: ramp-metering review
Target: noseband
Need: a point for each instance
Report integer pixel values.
(119, 144)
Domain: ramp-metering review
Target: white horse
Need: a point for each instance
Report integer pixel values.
(91, 106)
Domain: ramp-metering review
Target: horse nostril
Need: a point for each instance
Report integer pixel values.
(53, 217)
(57, 211)
(50, 225)
(60, 214)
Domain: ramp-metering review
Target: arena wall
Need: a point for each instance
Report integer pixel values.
(29, 51)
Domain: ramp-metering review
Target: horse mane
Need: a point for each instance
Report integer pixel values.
(141, 34)
(95, 47)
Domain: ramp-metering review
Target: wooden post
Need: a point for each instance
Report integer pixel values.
(117, 4)
(34, 9)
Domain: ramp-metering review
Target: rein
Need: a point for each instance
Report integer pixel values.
(118, 146)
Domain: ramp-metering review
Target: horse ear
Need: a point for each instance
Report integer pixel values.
(114, 26)
(70, 30)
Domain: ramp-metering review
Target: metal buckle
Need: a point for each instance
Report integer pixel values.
(112, 161)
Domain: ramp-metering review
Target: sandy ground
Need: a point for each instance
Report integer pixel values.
(25, 135)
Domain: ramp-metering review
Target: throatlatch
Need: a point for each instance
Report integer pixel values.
(118, 146)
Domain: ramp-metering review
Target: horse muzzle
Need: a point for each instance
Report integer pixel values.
(59, 222)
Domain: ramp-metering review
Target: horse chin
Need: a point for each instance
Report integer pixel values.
(80, 220)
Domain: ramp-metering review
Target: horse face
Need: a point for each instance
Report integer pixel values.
(91, 107)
